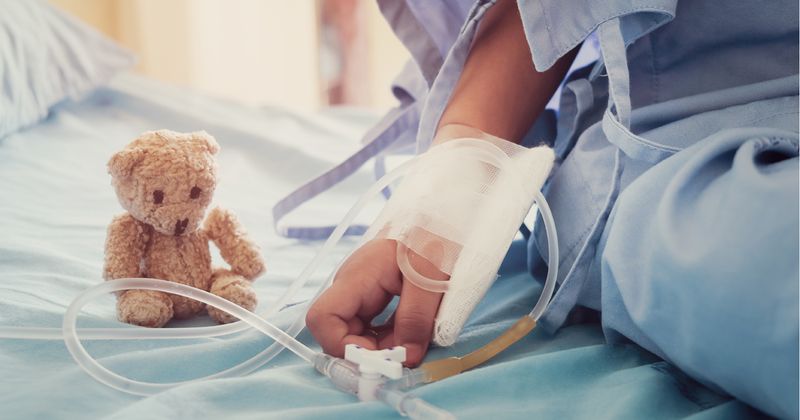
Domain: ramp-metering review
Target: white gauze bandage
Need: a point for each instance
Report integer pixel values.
(459, 207)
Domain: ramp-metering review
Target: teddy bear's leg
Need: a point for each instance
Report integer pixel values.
(146, 308)
(234, 288)
(184, 307)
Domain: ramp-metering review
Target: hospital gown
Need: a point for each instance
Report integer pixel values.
(675, 191)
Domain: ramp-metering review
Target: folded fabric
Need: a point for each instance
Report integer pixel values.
(47, 56)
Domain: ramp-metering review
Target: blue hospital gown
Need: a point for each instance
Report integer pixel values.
(675, 192)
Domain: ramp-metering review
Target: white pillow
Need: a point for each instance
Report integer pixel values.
(47, 56)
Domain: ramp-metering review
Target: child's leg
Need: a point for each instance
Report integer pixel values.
(700, 264)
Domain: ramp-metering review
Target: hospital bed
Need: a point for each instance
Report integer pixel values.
(57, 201)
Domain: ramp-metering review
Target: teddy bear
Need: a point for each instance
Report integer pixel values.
(165, 181)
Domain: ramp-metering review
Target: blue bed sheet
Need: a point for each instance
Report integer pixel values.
(56, 203)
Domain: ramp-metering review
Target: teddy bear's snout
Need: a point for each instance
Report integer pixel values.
(180, 226)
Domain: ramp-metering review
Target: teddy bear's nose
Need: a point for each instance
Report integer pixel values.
(180, 226)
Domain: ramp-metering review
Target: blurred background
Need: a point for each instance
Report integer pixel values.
(303, 54)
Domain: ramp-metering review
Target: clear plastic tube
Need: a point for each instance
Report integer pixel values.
(552, 257)
(408, 405)
(122, 383)
(405, 404)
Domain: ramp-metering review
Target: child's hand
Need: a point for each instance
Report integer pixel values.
(362, 288)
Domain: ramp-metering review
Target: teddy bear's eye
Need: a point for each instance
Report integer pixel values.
(158, 196)
(195, 192)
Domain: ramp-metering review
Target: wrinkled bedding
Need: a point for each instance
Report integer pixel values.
(57, 201)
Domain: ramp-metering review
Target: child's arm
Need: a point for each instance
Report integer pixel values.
(500, 93)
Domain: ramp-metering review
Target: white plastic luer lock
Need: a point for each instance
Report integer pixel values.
(373, 366)
(460, 207)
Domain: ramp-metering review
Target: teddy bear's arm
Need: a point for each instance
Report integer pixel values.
(125, 245)
(235, 247)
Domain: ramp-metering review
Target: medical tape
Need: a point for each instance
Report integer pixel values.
(459, 208)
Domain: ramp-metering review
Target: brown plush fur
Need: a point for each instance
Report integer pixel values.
(165, 181)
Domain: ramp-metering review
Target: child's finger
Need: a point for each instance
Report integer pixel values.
(416, 312)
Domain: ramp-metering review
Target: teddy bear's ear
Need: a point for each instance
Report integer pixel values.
(206, 141)
(121, 163)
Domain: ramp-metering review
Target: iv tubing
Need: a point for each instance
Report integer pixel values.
(405, 404)
(552, 257)
(121, 383)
